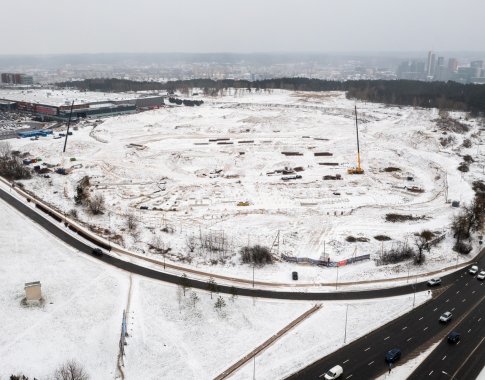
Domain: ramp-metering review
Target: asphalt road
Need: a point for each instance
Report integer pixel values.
(415, 331)
(465, 359)
(60, 231)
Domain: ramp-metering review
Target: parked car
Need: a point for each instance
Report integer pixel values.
(473, 270)
(446, 317)
(434, 282)
(453, 337)
(97, 252)
(294, 275)
(393, 355)
(334, 373)
(481, 275)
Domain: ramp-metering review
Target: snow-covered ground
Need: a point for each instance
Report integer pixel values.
(165, 160)
(170, 335)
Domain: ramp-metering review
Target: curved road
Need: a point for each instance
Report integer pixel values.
(59, 231)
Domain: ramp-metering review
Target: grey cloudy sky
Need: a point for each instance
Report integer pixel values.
(93, 26)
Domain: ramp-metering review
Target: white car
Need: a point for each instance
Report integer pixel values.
(334, 373)
(481, 275)
(473, 270)
(434, 282)
(445, 317)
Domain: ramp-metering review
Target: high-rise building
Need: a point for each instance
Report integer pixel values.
(11, 78)
(452, 65)
(431, 64)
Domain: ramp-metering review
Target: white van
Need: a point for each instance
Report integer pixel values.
(334, 373)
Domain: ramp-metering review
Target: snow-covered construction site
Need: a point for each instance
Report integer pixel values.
(195, 185)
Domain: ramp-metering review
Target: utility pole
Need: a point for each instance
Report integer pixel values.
(68, 124)
(253, 273)
(254, 367)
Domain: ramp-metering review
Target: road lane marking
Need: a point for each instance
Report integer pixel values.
(435, 309)
(404, 328)
(372, 362)
(447, 300)
(409, 339)
(473, 292)
(425, 328)
(429, 374)
(464, 299)
(421, 318)
(479, 319)
(387, 337)
(348, 377)
(367, 349)
(346, 361)
(452, 309)
(457, 292)
(468, 357)
(444, 357)
(466, 284)
(469, 330)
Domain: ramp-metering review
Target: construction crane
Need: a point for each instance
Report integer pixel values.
(358, 169)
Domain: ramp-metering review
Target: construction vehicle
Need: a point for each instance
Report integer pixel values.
(358, 169)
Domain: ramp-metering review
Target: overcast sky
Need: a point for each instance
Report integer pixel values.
(105, 26)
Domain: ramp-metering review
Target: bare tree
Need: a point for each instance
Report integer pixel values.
(5, 150)
(194, 298)
(422, 243)
(96, 204)
(71, 370)
(220, 305)
(157, 244)
(190, 243)
(131, 221)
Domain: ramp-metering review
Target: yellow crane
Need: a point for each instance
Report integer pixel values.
(358, 169)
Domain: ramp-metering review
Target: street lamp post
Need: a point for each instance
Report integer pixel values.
(346, 314)
(414, 296)
(336, 282)
(253, 274)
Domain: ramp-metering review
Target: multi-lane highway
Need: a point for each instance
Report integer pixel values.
(416, 331)
(464, 359)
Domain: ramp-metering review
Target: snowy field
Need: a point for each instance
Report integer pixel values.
(63, 97)
(170, 335)
(204, 198)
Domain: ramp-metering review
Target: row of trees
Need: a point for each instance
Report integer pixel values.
(443, 95)
(70, 370)
(185, 102)
(470, 219)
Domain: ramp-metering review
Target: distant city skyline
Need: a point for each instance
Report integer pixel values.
(318, 26)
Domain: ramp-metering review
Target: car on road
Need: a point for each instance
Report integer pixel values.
(481, 275)
(393, 355)
(473, 270)
(453, 337)
(334, 373)
(434, 281)
(294, 275)
(97, 252)
(446, 317)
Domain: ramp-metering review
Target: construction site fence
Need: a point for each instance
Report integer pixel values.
(325, 263)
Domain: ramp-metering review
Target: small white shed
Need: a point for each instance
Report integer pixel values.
(33, 291)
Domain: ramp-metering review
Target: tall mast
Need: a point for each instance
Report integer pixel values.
(358, 147)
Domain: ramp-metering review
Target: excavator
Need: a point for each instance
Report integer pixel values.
(358, 169)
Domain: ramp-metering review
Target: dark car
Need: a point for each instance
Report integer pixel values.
(453, 337)
(294, 275)
(393, 355)
(97, 252)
